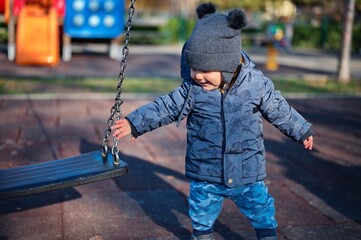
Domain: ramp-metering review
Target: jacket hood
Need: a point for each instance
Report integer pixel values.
(247, 64)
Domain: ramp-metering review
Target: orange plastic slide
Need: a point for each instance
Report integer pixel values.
(37, 36)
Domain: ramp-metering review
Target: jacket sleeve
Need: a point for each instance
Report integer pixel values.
(276, 110)
(162, 111)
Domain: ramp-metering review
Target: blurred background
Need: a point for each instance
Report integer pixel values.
(47, 33)
(307, 23)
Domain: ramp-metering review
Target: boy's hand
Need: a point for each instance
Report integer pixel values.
(308, 143)
(123, 129)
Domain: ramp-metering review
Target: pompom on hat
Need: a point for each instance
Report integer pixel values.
(215, 43)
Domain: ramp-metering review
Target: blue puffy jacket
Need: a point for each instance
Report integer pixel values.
(224, 130)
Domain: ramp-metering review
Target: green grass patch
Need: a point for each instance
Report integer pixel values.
(322, 86)
(96, 85)
(157, 85)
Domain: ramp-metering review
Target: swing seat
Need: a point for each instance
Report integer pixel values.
(58, 174)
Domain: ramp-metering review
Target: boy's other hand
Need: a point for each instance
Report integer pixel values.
(308, 143)
(122, 129)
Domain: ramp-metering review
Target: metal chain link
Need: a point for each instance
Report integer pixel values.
(115, 111)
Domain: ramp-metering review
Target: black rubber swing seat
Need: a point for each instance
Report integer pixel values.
(57, 174)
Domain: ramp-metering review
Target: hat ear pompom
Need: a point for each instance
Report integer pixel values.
(205, 8)
(237, 19)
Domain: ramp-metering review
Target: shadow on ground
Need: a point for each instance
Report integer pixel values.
(334, 173)
(159, 207)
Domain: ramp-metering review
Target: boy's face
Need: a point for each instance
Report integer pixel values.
(207, 80)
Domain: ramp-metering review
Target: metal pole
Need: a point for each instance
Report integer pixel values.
(11, 32)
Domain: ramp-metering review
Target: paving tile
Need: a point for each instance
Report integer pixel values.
(292, 210)
(13, 109)
(316, 232)
(34, 217)
(127, 215)
(150, 202)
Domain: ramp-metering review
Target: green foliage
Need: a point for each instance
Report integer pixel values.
(146, 35)
(171, 31)
(177, 30)
(306, 36)
(356, 37)
(309, 36)
(333, 38)
(3, 33)
(246, 4)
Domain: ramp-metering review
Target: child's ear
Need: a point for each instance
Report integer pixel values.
(205, 8)
(237, 19)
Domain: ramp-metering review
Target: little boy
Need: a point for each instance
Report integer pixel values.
(224, 99)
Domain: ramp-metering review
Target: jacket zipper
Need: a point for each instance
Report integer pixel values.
(223, 95)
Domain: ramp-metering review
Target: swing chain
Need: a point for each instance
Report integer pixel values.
(115, 111)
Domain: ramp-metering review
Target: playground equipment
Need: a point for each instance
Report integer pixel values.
(37, 34)
(2, 6)
(93, 19)
(272, 58)
(19, 4)
(73, 171)
(33, 27)
(33, 31)
(276, 39)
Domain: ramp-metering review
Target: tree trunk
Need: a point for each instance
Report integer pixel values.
(343, 71)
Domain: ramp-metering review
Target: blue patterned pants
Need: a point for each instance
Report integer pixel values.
(206, 200)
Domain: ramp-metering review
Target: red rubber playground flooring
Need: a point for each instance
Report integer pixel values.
(318, 193)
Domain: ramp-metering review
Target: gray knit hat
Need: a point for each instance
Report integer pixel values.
(215, 43)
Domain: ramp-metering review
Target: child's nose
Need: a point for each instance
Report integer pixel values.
(199, 75)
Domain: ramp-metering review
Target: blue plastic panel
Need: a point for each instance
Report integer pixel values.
(94, 18)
